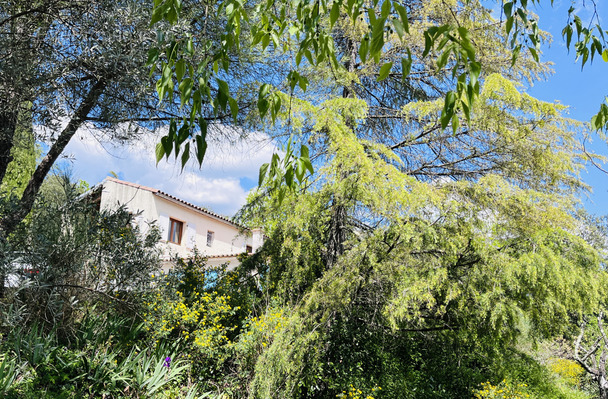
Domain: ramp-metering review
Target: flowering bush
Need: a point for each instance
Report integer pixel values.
(503, 390)
(354, 393)
(258, 334)
(568, 370)
(186, 305)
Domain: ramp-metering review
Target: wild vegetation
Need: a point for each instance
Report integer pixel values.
(424, 236)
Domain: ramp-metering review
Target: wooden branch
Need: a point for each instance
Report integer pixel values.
(577, 347)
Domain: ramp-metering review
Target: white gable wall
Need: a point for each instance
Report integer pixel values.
(137, 200)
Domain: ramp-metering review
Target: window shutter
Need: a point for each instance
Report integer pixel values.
(191, 236)
(163, 225)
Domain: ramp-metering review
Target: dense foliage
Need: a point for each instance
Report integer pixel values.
(416, 262)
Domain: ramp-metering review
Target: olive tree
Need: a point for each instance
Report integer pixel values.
(67, 64)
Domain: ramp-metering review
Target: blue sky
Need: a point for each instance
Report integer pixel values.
(231, 168)
(582, 90)
(229, 171)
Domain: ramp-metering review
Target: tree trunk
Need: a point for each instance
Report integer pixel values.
(8, 124)
(336, 234)
(8, 223)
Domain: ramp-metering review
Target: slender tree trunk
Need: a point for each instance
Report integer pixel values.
(337, 231)
(8, 223)
(8, 124)
(336, 234)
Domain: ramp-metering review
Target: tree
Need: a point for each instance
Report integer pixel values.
(462, 260)
(299, 29)
(409, 232)
(67, 64)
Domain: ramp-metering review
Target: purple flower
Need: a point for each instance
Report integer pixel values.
(167, 363)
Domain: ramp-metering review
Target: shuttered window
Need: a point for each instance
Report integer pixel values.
(176, 228)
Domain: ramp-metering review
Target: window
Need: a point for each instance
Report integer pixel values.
(175, 231)
(249, 249)
(210, 235)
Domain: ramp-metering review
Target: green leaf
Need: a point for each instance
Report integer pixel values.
(183, 134)
(152, 56)
(263, 106)
(308, 165)
(185, 90)
(455, 122)
(281, 195)
(384, 71)
(386, 9)
(160, 152)
(262, 175)
(402, 15)
(534, 54)
(377, 41)
(364, 48)
(515, 54)
(300, 170)
(303, 83)
(293, 78)
(186, 155)
(264, 90)
(190, 47)
(474, 71)
(448, 109)
(167, 144)
(265, 40)
(567, 32)
(223, 93)
(308, 56)
(203, 125)
(605, 55)
(509, 25)
(398, 28)
(289, 177)
(522, 15)
(234, 109)
(201, 148)
(157, 14)
(442, 60)
(180, 69)
(334, 13)
(223, 87)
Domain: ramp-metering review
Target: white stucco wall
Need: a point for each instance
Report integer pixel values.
(137, 200)
(227, 238)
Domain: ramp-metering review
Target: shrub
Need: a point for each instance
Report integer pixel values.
(569, 370)
(503, 390)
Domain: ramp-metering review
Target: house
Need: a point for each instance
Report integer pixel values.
(184, 226)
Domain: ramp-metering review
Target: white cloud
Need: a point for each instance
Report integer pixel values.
(229, 171)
